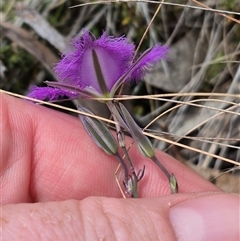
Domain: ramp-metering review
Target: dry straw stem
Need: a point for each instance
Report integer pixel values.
(57, 106)
(156, 136)
(203, 6)
(190, 148)
(112, 122)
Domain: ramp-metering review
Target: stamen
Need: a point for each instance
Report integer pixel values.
(100, 77)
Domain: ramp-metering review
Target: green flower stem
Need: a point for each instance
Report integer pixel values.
(102, 137)
(124, 167)
(160, 165)
(170, 177)
(121, 140)
(134, 193)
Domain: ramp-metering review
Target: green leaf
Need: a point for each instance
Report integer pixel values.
(99, 132)
(142, 141)
(173, 184)
(126, 121)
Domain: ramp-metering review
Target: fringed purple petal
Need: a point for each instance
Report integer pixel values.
(77, 68)
(97, 67)
(114, 55)
(50, 94)
(148, 61)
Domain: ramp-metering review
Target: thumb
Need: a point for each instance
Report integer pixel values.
(214, 217)
(201, 216)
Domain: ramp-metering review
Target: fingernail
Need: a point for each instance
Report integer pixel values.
(214, 217)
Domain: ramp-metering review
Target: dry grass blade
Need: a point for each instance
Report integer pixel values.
(41, 26)
(155, 136)
(216, 11)
(191, 148)
(57, 106)
(28, 41)
(204, 8)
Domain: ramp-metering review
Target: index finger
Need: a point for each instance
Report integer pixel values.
(47, 155)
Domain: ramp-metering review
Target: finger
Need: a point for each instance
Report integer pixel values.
(176, 217)
(47, 155)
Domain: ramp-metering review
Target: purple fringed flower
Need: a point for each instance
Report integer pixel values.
(50, 94)
(97, 67)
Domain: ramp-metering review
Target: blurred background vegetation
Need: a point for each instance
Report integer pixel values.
(204, 58)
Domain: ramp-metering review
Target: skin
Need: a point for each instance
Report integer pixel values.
(57, 185)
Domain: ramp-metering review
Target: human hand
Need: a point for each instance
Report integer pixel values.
(57, 185)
